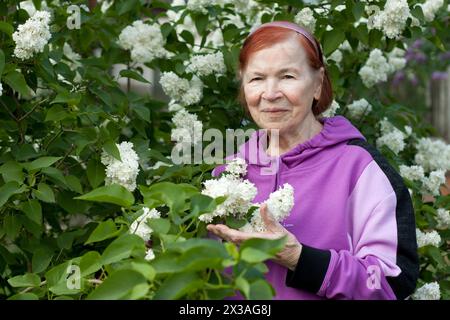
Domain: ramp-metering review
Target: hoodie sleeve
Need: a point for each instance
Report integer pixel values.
(382, 261)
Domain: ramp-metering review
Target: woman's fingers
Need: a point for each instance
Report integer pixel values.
(269, 220)
(228, 234)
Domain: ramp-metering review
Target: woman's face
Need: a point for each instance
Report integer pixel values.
(280, 86)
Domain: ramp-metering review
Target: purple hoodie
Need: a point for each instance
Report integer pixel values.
(352, 214)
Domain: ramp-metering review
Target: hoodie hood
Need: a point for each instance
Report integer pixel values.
(336, 130)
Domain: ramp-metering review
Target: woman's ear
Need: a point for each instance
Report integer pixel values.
(321, 75)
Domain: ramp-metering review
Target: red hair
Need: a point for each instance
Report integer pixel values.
(267, 37)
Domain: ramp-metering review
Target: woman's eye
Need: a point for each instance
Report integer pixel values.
(288, 76)
(256, 79)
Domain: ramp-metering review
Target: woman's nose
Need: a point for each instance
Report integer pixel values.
(271, 91)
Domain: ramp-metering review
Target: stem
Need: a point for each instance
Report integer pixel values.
(31, 288)
(32, 110)
(66, 155)
(9, 111)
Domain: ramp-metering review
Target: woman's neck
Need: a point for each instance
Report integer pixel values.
(285, 141)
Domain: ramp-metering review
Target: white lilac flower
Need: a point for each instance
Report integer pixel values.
(204, 65)
(432, 183)
(140, 227)
(199, 5)
(345, 46)
(124, 171)
(432, 154)
(239, 194)
(394, 140)
(376, 69)
(174, 106)
(280, 202)
(336, 56)
(331, 111)
(32, 36)
(359, 107)
(74, 61)
(149, 255)
(429, 291)
(28, 6)
(182, 90)
(443, 218)
(279, 205)
(430, 238)
(430, 8)
(386, 126)
(396, 59)
(1, 89)
(237, 167)
(187, 127)
(392, 19)
(305, 18)
(106, 4)
(408, 131)
(144, 41)
(413, 173)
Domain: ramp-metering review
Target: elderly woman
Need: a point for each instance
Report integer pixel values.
(351, 232)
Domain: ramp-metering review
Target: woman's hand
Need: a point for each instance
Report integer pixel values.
(288, 256)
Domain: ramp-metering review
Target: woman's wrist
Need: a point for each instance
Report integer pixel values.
(294, 257)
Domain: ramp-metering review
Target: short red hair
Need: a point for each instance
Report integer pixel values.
(268, 36)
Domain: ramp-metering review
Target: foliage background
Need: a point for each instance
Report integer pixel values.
(52, 134)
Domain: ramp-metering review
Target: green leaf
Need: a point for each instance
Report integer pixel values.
(125, 6)
(133, 75)
(243, 285)
(111, 148)
(358, 10)
(178, 285)
(74, 184)
(90, 262)
(142, 111)
(261, 290)
(95, 173)
(105, 230)
(11, 226)
(66, 97)
(188, 37)
(55, 174)
(2, 62)
(159, 226)
(417, 12)
(40, 163)
(9, 189)
(17, 82)
(252, 255)
(202, 204)
(331, 40)
(26, 280)
(235, 223)
(32, 209)
(41, 259)
(171, 194)
(6, 28)
(12, 171)
(24, 296)
(56, 113)
(122, 248)
(115, 194)
(266, 245)
(44, 193)
(118, 285)
(58, 278)
(201, 23)
(65, 240)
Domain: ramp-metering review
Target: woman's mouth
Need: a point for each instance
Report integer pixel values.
(274, 110)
